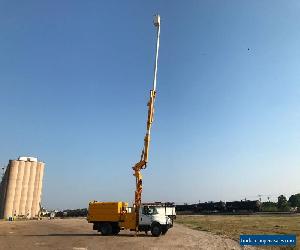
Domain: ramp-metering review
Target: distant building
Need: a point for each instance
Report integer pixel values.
(21, 188)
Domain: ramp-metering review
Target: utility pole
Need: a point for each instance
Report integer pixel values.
(260, 195)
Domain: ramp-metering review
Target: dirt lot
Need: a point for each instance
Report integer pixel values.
(77, 234)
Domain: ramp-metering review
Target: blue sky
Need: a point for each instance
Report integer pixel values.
(75, 79)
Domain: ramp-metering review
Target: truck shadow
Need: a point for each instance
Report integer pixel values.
(82, 235)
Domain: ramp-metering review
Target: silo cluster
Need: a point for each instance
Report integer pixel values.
(21, 188)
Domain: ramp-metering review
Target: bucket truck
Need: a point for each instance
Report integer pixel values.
(111, 217)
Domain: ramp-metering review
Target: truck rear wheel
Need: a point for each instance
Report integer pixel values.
(156, 230)
(96, 226)
(115, 230)
(106, 229)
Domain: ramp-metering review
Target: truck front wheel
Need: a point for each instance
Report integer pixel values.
(156, 230)
(106, 229)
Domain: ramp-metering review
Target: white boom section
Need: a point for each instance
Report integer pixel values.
(156, 22)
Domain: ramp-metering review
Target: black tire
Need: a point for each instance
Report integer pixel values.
(156, 230)
(116, 230)
(96, 226)
(164, 231)
(106, 229)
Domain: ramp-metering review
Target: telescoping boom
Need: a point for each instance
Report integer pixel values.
(142, 164)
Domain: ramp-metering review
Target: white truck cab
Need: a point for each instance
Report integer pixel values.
(154, 217)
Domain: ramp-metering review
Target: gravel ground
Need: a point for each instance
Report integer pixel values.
(77, 234)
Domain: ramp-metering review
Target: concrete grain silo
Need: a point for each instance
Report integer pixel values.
(35, 191)
(11, 188)
(18, 190)
(21, 188)
(40, 167)
(30, 189)
(24, 188)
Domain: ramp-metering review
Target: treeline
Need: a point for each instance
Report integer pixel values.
(72, 213)
(244, 206)
(283, 204)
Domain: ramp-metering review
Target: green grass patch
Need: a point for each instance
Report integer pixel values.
(233, 225)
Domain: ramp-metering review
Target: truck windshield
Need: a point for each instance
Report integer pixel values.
(152, 210)
(149, 210)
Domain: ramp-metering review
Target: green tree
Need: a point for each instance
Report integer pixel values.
(282, 202)
(294, 200)
(269, 206)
